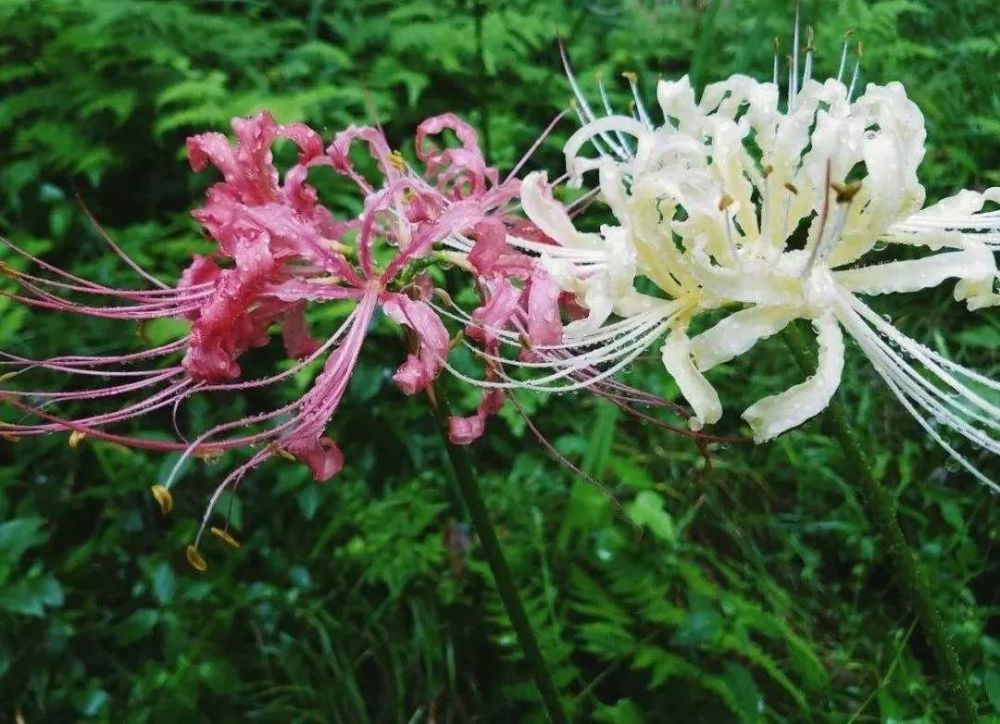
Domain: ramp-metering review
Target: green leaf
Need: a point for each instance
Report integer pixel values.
(19, 535)
(740, 683)
(647, 511)
(164, 583)
(20, 598)
(698, 628)
(137, 626)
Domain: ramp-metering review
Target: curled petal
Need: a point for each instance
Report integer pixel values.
(704, 400)
(544, 323)
(323, 458)
(449, 164)
(737, 333)
(202, 270)
(550, 216)
(773, 415)
(309, 142)
(378, 147)
(422, 368)
(492, 254)
(295, 333)
(496, 312)
(974, 263)
(464, 430)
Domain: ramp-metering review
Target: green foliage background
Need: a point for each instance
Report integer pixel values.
(747, 589)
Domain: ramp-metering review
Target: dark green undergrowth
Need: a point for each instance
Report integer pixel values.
(725, 583)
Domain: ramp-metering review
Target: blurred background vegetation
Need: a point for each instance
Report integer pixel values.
(742, 588)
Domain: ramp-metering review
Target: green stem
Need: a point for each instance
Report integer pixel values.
(511, 599)
(910, 577)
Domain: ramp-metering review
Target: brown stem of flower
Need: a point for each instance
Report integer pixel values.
(509, 596)
(910, 577)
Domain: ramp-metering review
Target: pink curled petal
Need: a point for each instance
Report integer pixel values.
(257, 180)
(491, 254)
(496, 312)
(465, 430)
(211, 148)
(201, 270)
(544, 322)
(302, 196)
(295, 332)
(323, 458)
(457, 217)
(422, 368)
(491, 243)
(309, 142)
(339, 152)
(454, 166)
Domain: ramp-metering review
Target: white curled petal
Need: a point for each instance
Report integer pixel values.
(758, 285)
(773, 415)
(975, 262)
(951, 212)
(699, 393)
(676, 99)
(737, 333)
(596, 297)
(977, 294)
(618, 124)
(551, 217)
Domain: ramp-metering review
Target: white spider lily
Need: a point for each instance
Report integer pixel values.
(736, 202)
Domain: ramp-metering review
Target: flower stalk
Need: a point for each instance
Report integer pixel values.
(509, 596)
(910, 577)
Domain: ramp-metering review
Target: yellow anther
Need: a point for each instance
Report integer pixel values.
(7, 270)
(164, 498)
(631, 76)
(225, 537)
(444, 297)
(336, 246)
(525, 341)
(725, 202)
(397, 161)
(195, 559)
(209, 456)
(75, 438)
(10, 438)
(766, 171)
(325, 280)
(9, 375)
(861, 49)
(791, 187)
(849, 33)
(809, 38)
(276, 449)
(845, 192)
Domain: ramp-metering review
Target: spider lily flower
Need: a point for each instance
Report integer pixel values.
(278, 250)
(771, 212)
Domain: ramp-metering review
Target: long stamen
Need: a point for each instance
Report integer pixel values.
(857, 70)
(843, 55)
(793, 82)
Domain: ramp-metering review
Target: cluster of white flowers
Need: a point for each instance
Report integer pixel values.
(768, 210)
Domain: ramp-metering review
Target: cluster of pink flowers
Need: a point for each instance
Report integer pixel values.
(280, 250)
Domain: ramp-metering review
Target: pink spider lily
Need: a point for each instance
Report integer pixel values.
(278, 251)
